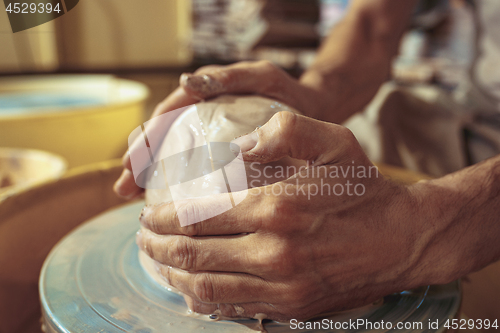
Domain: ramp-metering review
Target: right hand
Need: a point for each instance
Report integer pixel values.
(254, 77)
(295, 249)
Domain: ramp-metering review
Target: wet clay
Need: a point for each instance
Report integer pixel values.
(222, 119)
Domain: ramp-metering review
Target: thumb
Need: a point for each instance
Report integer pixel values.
(258, 77)
(300, 137)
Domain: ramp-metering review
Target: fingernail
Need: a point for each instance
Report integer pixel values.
(202, 84)
(247, 142)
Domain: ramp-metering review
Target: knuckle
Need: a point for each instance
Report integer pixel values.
(154, 218)
(154, 249)
(282, 261)
(229, 76)
(281, 207)
(204, 289)
(183, 254)
(286, 119)
(191, 230)
(350, 145)
(276, 79)
(285, 124)
(346, 134)
(153, 223)
(189, 214)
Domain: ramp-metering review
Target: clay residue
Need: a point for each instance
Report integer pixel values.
(122, 314)
(202, 85)
(260, 326)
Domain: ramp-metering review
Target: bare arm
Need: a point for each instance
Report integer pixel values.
(356, 57)
(463, 232)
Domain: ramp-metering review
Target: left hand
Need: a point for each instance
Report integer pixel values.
(245, 77)
(292, 253)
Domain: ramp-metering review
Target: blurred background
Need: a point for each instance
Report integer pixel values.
(155, 42)
(78, 85)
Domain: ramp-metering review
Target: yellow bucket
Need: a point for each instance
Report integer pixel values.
(84, 118)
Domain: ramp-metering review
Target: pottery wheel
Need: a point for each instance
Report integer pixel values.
(92, 282)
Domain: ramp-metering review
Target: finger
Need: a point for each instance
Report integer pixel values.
(165, 219)
(256, 310)
(177, 99)
(258, 77)
(300, 137)
(226, 253)
(125, 187)
(219, 287)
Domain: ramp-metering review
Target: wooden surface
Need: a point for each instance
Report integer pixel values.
(24, 168)
(32, 222)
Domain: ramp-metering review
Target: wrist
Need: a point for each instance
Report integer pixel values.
(452, 235)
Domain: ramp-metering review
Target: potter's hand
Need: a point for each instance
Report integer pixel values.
(288, 250)
(260, 77)
(254, 77)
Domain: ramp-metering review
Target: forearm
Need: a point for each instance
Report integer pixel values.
(356, 58)
(463, 221)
